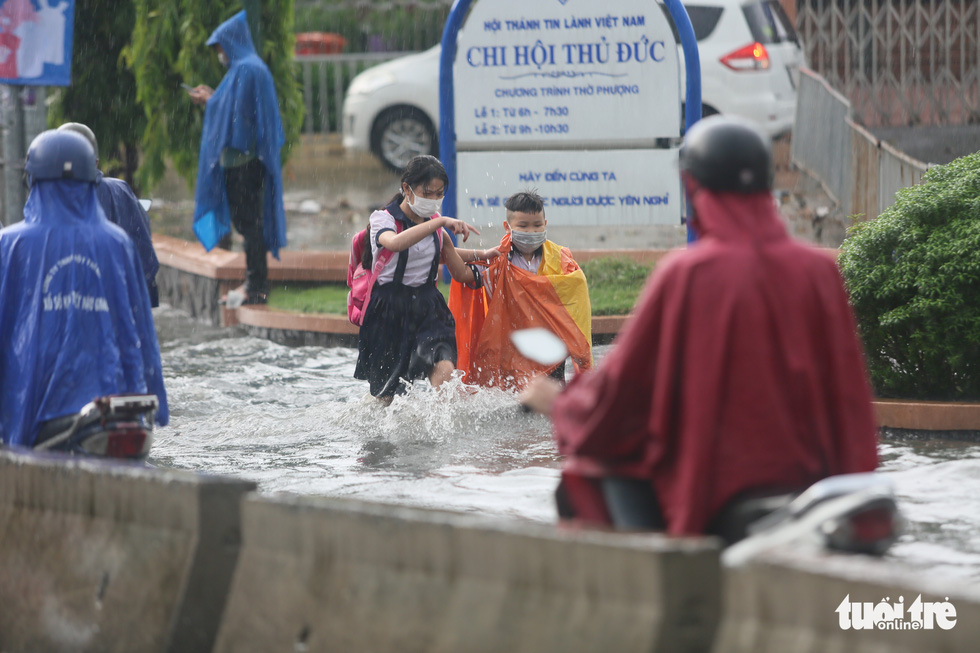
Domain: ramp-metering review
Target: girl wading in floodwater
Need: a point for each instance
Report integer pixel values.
(408, 332)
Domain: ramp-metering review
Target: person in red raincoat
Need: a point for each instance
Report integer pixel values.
(740, 371)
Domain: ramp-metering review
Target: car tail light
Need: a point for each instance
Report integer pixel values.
(750, 57)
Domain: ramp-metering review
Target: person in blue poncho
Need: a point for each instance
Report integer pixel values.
(239, 174)
(122, 208)
(76, 317)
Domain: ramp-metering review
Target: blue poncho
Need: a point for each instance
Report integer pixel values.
(243, 114)
(122, 208)
(76, 318)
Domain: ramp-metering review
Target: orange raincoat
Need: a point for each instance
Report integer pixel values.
(556, 298)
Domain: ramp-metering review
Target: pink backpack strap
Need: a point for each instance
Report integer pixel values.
(384, 255)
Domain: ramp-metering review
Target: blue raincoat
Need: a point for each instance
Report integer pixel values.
(122, 208)
(243, 114)
(75, 315)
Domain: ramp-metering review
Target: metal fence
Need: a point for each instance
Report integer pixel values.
(325, 80)
(899, 62)
(821, 135)
(859, 171)
(375, 25)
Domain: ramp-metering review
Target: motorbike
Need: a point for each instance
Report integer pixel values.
(112, 426)
(850, 513)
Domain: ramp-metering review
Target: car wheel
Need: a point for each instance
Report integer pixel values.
(706, 110)
(402, 133)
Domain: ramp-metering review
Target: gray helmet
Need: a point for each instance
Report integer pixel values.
(58, 154)
(725, 153)
(84, 131)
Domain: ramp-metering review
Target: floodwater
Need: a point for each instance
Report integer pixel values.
(294, 420)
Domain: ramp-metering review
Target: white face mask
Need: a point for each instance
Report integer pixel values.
(425, 207)
(223, 58)
(528, 241)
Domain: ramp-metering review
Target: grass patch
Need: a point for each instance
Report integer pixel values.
(328, 298)
(614, 285)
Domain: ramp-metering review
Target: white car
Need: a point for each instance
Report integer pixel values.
(750, 57)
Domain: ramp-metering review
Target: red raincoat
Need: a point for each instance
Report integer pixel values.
(741, 368)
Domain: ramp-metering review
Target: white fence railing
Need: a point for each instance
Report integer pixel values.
(325, 80)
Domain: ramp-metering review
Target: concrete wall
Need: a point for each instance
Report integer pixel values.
(195, 294)
(789, 602)
(320, 574)
(96, 556)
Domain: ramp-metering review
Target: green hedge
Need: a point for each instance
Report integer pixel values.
(913, 275)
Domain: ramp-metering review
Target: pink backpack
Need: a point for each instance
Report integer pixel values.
(361, 281)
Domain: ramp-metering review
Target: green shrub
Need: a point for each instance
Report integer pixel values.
(913, 275)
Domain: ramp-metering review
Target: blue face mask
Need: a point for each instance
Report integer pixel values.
(527, 242)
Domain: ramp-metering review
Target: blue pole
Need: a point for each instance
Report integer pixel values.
(692, 65)
(447, 112)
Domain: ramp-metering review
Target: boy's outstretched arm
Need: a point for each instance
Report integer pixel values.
(458, 269)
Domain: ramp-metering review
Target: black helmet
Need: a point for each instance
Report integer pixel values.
(728, 154)
(60, 155)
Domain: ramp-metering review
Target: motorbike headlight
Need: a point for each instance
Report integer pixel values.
(365, 84)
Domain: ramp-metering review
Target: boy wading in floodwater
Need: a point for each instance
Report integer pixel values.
(408, 332)
(534, 283)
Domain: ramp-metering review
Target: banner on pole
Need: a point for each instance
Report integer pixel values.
(36, 42)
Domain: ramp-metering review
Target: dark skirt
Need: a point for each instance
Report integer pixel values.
(406, 331)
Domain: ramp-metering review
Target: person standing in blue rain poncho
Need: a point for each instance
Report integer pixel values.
(239, 175)
(76, 317)
(122, 208)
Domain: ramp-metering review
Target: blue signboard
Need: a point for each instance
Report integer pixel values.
(36, 42)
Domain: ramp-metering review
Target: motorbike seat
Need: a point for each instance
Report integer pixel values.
(53, 427)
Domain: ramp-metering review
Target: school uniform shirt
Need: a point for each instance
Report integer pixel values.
(420, 254)
(517, 260)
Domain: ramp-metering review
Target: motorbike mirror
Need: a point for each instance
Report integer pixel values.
(146, 204)
(539, 345)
